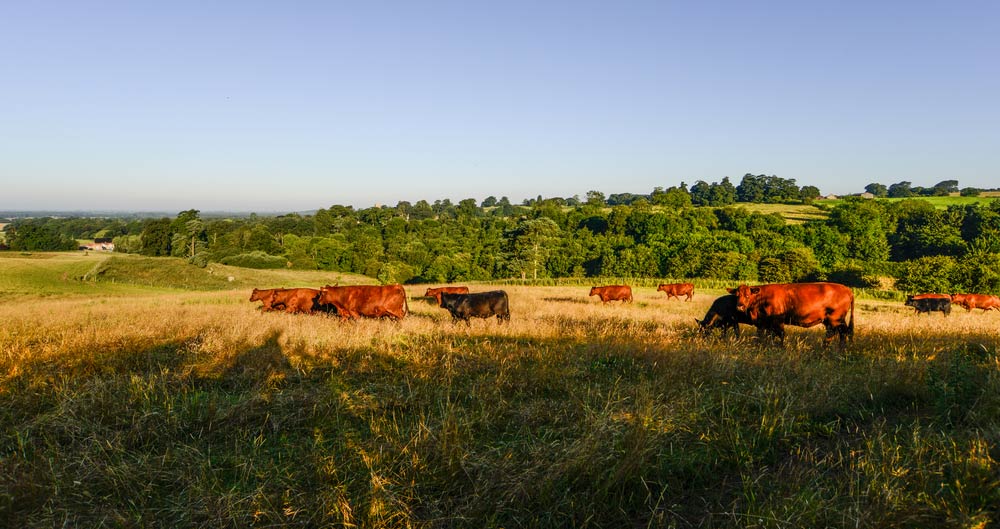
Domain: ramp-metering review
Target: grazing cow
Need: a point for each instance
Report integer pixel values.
(675, 290)
(264, 295)
(295, 300)
(770, 307)
(976, 301)
(928, 304)
(436, 292)
(608, 293)
(477, 305)
(369, 301)
(723, 313)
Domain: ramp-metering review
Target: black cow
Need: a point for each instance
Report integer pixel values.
(476, 305)
(929, 304)
(723, 313)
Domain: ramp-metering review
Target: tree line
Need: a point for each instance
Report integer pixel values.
(679, 233)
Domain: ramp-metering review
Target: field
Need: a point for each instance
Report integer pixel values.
(792, 213)
(938, 202)
(150, 395)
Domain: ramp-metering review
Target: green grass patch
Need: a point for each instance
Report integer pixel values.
(46, 274)
(937, 202)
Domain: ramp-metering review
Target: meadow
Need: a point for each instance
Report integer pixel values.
(134, 393)
(938, 202)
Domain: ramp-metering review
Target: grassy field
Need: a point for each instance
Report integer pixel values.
(129, 405)
(938, 202)
(792, 213)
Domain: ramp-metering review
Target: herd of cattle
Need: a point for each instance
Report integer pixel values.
(942, 302)
(767, 307)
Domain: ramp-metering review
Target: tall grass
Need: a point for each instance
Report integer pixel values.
(194, 409)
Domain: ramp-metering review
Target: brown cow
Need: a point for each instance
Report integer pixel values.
(295, 300)
(608, 293)
(675, 290)
(370, 301)
(436, 292)
(930, 296)
(770, 307)
(264, 295)
(976, 301)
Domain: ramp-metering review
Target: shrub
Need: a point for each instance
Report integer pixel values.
(853, 276)
(255, 259)
(926, 274)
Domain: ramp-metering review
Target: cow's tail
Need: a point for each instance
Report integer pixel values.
(850, 326)
(406, 304)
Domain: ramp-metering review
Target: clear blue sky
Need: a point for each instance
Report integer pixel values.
(281, 106)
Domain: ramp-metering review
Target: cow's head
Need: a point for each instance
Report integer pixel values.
(448, 301)
(909, 302)
(327, 295)
(593, 290)
(661, 288)
(745, 296)
(255, 295)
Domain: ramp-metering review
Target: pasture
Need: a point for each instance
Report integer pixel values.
(152, 403)
(937, 202)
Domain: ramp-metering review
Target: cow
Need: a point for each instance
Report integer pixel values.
(369, 301)
(294, 300)
(608, 293)
(264, 295)
(436, 292)
(771, 307)
(976, 301)
(723, 313)
(476, 305)
(675, 290)
(928, 304)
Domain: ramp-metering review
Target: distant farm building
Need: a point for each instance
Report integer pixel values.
(866, 195)
(831, 196)
(100, 244)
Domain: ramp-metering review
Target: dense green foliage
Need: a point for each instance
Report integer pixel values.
(673, 233)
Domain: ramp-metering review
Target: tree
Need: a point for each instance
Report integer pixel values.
(38, 236)
(926, 274)
(945, 188)
(489, 202)
(809, 193)
(595, 198)
(156, 238)
(677, 197)
(970, 192)
(900, 190)
(879, 190)
(701, 193)
(723, 193)
(190, 242)
(751, 189)
(528, 243)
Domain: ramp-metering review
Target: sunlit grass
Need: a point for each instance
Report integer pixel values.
(195, 409)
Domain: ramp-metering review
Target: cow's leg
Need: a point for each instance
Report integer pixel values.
(830, 331)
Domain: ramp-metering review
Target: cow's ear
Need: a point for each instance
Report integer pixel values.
(755, 290)
(731, 290)
(696, 320)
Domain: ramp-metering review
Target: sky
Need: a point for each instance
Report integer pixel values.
(293, 106)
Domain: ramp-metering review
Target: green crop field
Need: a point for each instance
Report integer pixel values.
(139, 392)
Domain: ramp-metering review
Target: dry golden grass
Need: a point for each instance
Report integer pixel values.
(196, 409)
